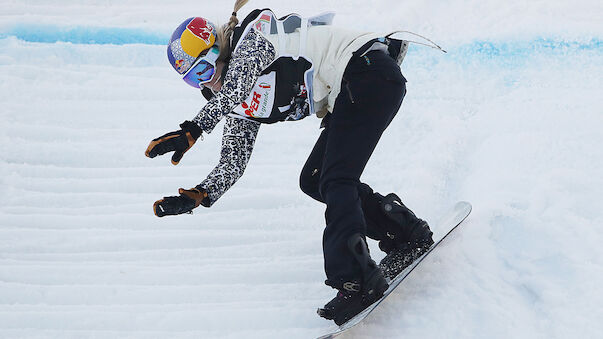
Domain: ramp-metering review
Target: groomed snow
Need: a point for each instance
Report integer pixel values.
(510, 120)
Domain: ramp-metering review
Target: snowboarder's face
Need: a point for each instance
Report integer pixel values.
(216, 83)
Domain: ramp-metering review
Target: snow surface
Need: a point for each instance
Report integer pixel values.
(510, 120)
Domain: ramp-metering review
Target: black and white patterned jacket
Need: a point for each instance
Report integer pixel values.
(254, 54)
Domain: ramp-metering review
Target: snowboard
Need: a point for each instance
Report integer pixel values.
(442, 229)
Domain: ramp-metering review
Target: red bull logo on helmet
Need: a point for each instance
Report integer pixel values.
(198, 36)
(200, 28)
(178, 64)
(192, 37)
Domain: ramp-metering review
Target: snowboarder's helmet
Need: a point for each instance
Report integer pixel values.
(189, 41)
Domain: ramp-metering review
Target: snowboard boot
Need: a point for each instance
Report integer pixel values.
(355, 295)
(404, 237)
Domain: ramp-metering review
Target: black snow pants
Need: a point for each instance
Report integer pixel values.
(371, 94)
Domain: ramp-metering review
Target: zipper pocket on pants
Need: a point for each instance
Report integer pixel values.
(347, 87)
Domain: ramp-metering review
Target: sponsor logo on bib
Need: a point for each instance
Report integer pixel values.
(263, 23)
(250, 110)
(260, 101)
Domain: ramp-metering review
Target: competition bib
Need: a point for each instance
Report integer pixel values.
(261, 99)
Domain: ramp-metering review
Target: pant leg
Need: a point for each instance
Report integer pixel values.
(371, 95)
(370, 201)
(379, 227)
(310, 173)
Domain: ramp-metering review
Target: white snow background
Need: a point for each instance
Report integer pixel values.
(510, 120)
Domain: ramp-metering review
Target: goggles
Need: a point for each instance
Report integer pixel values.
(203, 69)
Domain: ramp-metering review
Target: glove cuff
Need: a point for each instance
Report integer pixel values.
(192, 128)
(194, 193)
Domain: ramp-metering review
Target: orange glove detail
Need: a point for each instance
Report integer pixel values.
(178, 142)
(184, 203)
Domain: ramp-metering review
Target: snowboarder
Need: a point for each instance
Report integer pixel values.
(268, 70)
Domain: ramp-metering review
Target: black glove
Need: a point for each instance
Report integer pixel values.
(179, 142)
(184, 203)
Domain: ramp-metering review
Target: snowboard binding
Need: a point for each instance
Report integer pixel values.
(404, 237)
(356, 295)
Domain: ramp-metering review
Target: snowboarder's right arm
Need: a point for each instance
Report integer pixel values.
(238, 140)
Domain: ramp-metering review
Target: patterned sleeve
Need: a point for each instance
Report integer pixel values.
(252, 56)
(237, 144)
